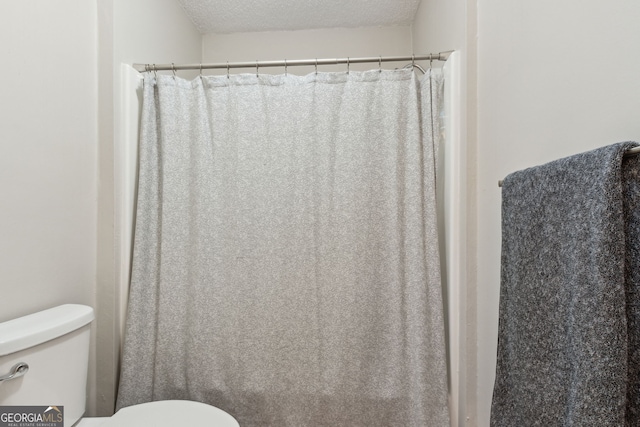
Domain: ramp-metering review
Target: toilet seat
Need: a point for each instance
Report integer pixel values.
(171, 413)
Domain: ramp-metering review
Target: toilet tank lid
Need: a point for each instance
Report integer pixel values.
(37, 328)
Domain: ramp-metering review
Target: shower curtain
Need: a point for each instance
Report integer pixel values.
(286, 261)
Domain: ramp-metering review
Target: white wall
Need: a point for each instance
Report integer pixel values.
(440, 25)
(307, 44)
(130, 31)
(554, 79)
(48, 146)
(48, 155)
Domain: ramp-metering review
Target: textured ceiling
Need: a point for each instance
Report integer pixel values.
(233, 16)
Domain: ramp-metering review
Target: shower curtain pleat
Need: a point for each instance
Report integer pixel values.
(286, 259)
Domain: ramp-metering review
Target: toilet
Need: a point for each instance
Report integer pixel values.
(43, 362)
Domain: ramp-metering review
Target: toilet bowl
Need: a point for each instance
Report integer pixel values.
(164, 413)
(43, 362)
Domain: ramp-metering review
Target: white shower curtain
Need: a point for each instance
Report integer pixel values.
(286, 261)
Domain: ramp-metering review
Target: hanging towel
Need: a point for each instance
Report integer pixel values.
(569, 305)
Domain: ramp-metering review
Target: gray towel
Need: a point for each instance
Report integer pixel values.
(569, 305)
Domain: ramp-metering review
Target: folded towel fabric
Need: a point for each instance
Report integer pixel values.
(569, 327)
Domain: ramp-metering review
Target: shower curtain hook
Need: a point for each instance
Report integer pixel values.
(173, 68)
(380, 64)
(413, 60)
(316, 66)
(430, 61)
(155, 71)
(227, 69)
(256, 68)
(285, 67)
(347, 65)
(201, 70)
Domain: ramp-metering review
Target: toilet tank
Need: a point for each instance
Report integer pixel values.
(55, 345)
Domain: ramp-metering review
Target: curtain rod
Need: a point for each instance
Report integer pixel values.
(441, 56)
(630, 152)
